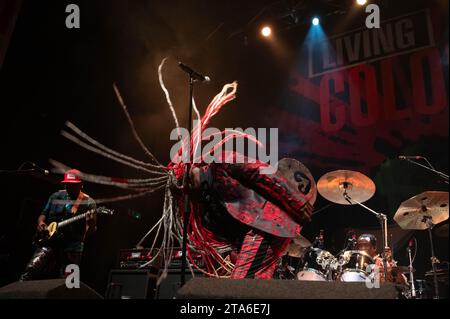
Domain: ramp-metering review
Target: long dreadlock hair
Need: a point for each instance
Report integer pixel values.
(170, 225)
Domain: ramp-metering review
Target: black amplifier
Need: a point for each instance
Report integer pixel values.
(136, 258)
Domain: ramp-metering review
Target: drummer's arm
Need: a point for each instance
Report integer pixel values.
(380, 268)
(388, 255)
(390, 264)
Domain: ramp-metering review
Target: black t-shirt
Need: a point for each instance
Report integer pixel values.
(58, 208)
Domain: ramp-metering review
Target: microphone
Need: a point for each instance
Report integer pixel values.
(194, 74)
(410, 245)
(40, 169)
(416, 157)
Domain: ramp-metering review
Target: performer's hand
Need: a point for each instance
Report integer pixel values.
(91, 222)
(42, 227)
(388, 254)
(90, 215)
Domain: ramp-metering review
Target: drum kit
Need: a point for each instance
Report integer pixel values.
(309, 261)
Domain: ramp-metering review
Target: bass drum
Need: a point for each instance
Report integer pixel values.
(311, 275)
(351, 275)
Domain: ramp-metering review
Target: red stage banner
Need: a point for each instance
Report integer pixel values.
(361, 95)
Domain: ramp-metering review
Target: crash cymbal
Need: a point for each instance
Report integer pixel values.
(299, 177)
(298, 247)
(414, 212)
(441, 231)
(358, 186)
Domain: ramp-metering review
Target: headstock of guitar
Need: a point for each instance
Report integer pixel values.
(105, 211)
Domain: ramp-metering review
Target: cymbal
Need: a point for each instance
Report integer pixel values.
(358, 186)
(439, 273)
(414, 212)
(441, 231)
(298, 247)
(299, 177)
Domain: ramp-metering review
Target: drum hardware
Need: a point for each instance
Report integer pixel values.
(383, 223)
(355, 266)
(423, 212)
(434, 260)
(420, 291)
(441, 273)
(317, 265)
(411, 271)
(353, 188)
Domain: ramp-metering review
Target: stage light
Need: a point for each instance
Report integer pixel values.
(315, 21)
(266, 31)
(361, 2)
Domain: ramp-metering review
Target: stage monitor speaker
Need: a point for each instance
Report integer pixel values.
(210, 288)
(171, 284)
(47, 289)
(131, 284)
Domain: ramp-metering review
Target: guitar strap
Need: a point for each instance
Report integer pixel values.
(75, 206)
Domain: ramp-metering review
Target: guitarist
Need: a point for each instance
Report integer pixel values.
(67, 248)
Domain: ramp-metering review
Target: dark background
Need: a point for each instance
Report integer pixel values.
(52, 74)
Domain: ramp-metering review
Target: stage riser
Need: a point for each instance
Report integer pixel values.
(208, 288)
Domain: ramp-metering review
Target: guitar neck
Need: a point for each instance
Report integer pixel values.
(72, 220)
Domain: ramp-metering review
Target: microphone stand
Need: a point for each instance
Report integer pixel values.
(428, 221)
(411, 275)
(187, 167)
(19, 171)
(22, 170)
(431, 169)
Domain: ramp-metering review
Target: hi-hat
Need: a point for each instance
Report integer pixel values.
(298, 246)
(332, 186)
(421, 210)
